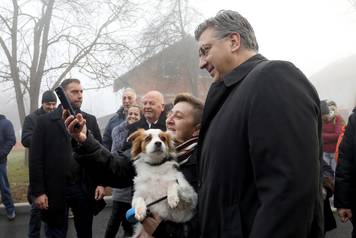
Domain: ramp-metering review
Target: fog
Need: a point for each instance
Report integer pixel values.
(318, 36)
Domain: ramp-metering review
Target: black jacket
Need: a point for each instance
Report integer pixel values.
(50, 159)
(7, 138)
(345, 178)
(259, 167)
(29, 125)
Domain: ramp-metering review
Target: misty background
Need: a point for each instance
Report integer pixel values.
(101, 41)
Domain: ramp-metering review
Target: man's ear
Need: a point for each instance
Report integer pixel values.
(235, 40)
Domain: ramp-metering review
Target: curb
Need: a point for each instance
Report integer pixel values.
(25, 207)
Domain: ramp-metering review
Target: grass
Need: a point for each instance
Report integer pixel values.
(17, 172)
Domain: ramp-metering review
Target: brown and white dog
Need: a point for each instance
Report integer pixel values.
(158, 176)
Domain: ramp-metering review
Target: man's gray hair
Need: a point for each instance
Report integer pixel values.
(129, 90)
(226, 22)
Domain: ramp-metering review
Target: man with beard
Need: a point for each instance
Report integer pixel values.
(57, 180)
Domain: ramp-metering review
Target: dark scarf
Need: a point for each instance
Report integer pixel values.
(185, 149)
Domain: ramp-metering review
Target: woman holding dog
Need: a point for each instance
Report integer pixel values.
(183, 122)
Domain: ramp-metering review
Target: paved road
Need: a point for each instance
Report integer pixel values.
(18, 228)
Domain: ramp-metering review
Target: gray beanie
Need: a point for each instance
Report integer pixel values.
(49, 96)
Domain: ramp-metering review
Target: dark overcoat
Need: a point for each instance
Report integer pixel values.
(345, 177)
(259, 154)
(50, 158)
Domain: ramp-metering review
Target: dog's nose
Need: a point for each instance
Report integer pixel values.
(158, 144)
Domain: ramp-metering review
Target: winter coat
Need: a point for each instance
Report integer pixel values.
(7, 138)
(345, 176)
(331, 132)
(116, 120)
(51, 158)
(29, 125)
(259, 154)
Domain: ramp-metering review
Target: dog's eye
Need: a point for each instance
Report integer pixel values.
(162, 138)
(148, 138)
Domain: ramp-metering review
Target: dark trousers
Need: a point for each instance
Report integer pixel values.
(81, 207)
(118, 217)
(34, 226)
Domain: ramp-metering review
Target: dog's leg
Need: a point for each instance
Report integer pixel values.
(140, 208)
(172, 195)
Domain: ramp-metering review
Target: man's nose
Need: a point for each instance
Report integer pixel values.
(202, 62)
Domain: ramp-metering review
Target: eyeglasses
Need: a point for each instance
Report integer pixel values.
(204, 49)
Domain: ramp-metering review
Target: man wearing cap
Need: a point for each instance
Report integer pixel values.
(49, 102)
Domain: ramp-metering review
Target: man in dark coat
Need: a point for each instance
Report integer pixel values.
(345, 177)
(259, 148)
(57, 181)
(7, 141)
(49, 103)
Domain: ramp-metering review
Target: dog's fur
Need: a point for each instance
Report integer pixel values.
(158, 176)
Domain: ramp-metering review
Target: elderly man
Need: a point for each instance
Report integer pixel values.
(153, 113)
(259, 148)
(128, 98)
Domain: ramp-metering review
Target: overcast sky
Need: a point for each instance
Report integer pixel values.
(310, 33)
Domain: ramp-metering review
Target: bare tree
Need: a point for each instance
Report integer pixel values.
(169, 27)
(42, 47)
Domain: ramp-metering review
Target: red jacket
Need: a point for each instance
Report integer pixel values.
(331, 133)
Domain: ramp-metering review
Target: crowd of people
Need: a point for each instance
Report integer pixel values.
(266, 156)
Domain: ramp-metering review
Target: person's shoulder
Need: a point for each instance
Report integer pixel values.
(136, 125)
(88, 116)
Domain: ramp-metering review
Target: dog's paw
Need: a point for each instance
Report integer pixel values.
(140, 213)
(173, 200)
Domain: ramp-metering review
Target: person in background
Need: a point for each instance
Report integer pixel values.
(332, 128)
(7, 141)
(49, 103)
(345, 176)
(260, 139)
(57, 180)
(128, 98)
(121, 196)
(154, 115)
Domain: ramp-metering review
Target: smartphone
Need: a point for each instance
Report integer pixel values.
(64, 100)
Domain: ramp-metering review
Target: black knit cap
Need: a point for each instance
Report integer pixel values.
(49, 96)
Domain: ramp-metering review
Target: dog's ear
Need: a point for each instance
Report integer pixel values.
(136, 139)
(135, 134)
(169, 141)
